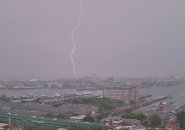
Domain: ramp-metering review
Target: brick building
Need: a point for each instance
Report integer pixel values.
(127, 94)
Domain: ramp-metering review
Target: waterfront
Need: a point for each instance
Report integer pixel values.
(46, 92)
(83, 107)
(38, 92)
(176, 91)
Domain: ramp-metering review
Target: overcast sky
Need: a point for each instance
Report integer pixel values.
(116, 37)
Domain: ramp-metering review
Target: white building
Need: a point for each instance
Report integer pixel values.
(77, 118)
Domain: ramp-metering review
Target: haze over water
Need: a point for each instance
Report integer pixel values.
(176, 91)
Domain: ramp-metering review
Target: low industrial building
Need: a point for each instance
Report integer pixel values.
(77, 118)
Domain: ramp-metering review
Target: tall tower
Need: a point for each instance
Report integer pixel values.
(9, 122)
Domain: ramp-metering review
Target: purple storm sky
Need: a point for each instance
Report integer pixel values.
(116, 37)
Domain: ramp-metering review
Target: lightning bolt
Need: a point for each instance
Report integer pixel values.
(73, 38)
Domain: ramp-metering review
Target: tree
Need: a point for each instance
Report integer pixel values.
(42, 128)
(155, 121)
(131, 115)
(49, 115)
(88, 119)
(61, 116)
(181, 119)
(102, 114)
(4, 98)
(132, 103)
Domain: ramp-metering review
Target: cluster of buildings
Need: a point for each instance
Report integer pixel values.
(91, 82)
(66, 98)
(119, 89)
(164, 108)
(117, 123)
(171, 125)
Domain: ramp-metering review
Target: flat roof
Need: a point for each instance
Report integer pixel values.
(78, 117)
(118, 88)
(3, 124)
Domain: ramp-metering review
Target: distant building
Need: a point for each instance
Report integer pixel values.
(165, 107)
(62, 129)
(127, 94)
(58, 99)
(4, 126)
(118, 123)
(171, 125)
(77, 118)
